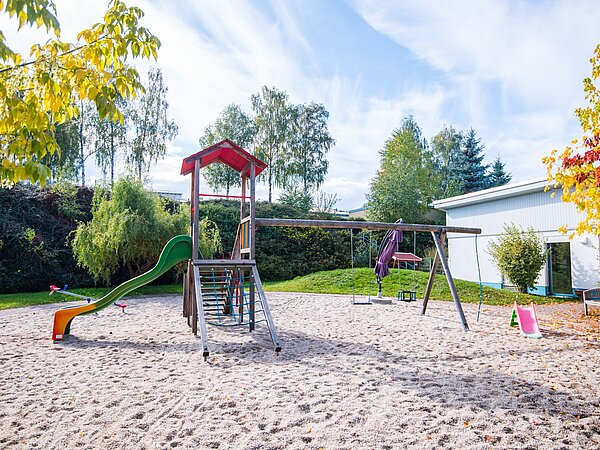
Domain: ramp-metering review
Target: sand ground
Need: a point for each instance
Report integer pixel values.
(349, 377)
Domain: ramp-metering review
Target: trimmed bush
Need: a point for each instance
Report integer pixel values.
(519, 255)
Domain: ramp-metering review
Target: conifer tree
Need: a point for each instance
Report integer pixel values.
(498, 175)
(472, 173)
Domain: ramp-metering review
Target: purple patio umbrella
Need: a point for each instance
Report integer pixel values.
(385, 255)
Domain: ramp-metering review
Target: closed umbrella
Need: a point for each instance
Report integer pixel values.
(385, 255)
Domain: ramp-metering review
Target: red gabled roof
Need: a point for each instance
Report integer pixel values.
(227, 153)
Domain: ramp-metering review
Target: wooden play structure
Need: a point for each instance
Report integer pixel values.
(226, 292)
(229, 292)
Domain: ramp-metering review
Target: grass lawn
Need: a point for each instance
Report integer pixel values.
(39, 298)
(331, 282)
(341, 282)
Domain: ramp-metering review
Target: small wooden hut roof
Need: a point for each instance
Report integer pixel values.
(406, 257)
(227, 153)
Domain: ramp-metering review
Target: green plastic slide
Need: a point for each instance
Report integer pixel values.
(176, 250)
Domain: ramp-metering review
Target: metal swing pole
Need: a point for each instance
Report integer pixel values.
(479, 277)
(414, 265)
(354, 302)
(352, 264)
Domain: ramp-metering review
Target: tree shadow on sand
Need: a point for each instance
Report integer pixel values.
(376, 368)
(485, 389)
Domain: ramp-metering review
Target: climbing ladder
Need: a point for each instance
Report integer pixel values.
(215, 287)
(225, 293)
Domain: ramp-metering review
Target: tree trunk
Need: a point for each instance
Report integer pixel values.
(112, 155)
(270, 183)
(130, 270)
(81, 155)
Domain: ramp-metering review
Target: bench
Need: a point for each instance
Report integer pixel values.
(591, 297)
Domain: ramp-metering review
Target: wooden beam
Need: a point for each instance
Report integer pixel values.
(350, 224)
(224, 263)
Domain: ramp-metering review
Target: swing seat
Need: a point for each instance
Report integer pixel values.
(407, 296)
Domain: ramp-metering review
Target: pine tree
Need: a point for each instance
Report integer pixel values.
(472, 172)
(498, 175)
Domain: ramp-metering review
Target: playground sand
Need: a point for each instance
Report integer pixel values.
(349, 377)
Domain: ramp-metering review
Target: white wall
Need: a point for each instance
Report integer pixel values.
(538, 210)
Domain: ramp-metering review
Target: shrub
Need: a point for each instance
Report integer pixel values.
(519, 255)
(35, 227)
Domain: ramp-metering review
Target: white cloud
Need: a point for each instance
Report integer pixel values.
(515, 67)
(533, 48)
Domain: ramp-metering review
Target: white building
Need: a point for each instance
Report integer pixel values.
(572, 264)
(175, 196)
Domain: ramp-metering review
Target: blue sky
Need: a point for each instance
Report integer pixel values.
(512, 70)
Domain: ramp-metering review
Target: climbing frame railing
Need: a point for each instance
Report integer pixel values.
(226, 293)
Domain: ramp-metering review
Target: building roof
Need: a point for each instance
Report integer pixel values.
(227, 153)
(496, 193)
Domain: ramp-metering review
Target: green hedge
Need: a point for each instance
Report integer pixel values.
(35, 229)
(36, 225)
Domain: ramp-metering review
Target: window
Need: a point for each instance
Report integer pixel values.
(559, 268)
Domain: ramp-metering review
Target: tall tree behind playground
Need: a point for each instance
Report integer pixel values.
(472, 172)
(498, 176)
(151, 126)
(310, 142)
(405, 183)
(447, 160)
(233, 124)
(274, 126)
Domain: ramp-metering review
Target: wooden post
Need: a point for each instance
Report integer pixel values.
(444, 261)
(195, 202)
(251, 236)
(185, 292)
(433, 270)
(188, 303)
(252, 224)
(243, 200)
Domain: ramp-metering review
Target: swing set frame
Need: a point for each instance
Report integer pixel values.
(438, 232)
